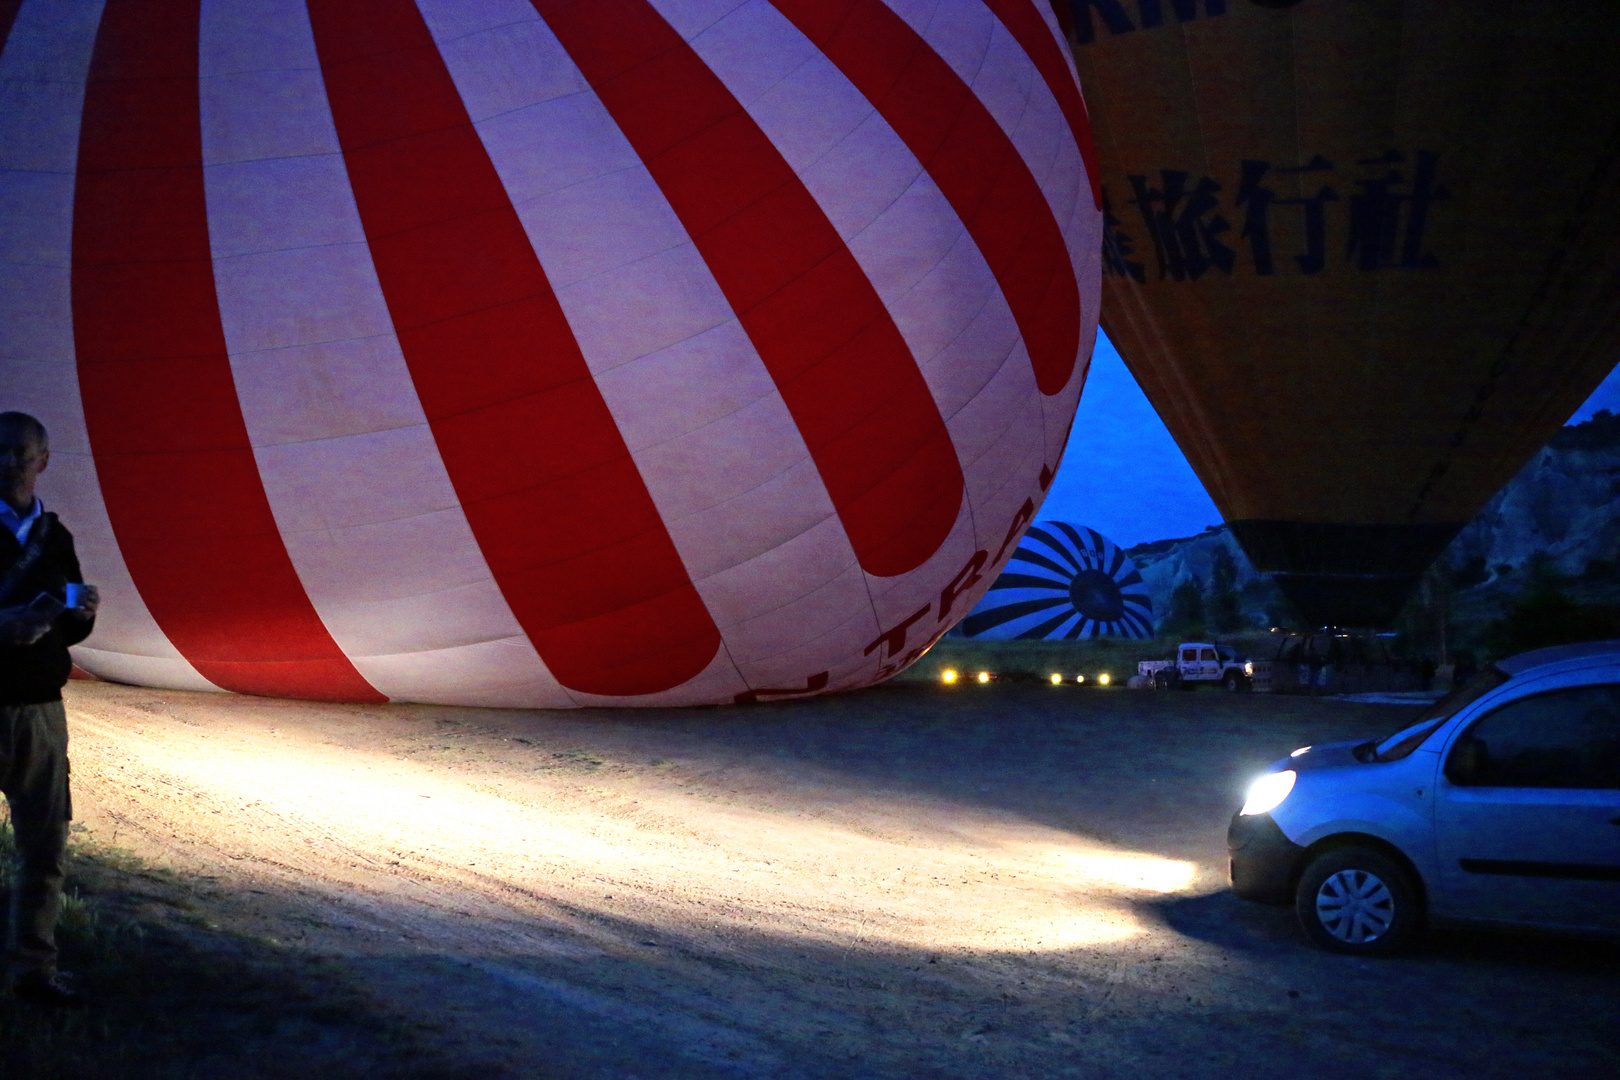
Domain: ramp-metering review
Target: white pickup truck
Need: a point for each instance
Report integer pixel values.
(1200, 662)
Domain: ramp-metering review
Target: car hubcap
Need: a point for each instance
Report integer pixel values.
(1354, 906)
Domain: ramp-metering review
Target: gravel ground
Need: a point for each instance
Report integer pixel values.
(1013, 880)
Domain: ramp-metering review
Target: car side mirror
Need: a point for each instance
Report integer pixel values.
(1468, 762)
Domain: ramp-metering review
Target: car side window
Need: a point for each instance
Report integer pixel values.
(1563, 739)
(1189, 655)
(1208, 654)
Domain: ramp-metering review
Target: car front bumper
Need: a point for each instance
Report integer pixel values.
(1263, 860)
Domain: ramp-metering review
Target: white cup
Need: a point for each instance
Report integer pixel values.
(74, 595)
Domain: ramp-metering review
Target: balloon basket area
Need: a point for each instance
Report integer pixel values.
(1332, 662)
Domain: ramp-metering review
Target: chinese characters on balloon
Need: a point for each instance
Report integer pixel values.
(1378, 223)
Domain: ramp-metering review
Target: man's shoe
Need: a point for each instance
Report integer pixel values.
(53, 991)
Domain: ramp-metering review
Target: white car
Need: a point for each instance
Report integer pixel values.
(1200, 662)
(1501, 805)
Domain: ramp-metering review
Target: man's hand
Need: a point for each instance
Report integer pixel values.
(22, 625)
(88, 606)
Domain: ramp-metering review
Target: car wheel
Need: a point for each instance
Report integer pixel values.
(1233, 682)
(1358, 900)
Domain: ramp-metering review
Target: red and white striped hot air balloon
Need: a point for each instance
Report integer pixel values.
(543, 353)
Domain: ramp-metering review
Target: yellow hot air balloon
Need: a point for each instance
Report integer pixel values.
(1362, 255)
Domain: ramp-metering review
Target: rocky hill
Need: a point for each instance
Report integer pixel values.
(1166, 564)
(1556, 523)
(1560, 515)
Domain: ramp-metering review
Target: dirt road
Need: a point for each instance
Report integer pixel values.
(1016, 881)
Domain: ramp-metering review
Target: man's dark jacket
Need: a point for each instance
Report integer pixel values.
(31, 674)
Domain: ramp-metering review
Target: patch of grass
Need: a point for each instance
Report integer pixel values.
(177, 998)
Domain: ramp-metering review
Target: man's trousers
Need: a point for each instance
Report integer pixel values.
(34, 777)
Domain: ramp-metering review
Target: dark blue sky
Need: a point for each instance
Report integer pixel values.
(1124, 476)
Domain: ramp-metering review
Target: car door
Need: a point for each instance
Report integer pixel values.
(1527, 811)
(1208, 666)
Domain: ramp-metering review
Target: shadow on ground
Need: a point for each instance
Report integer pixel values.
(1231, 991)
(175, 997)
(1222, 919)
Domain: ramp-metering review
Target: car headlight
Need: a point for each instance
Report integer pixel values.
(1268, 792)
(1248, 668)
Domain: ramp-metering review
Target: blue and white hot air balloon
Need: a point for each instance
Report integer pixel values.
(1064, 582)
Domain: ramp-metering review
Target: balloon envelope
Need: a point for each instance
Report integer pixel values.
(540, 354)
(1065, 582)
(1364, 258)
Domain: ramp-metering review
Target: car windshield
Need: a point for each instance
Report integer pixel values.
(1408, 739)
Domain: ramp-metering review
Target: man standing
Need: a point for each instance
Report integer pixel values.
(39, 618)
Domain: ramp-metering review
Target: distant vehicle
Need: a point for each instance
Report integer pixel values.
(1500, 805)
(1200, 662)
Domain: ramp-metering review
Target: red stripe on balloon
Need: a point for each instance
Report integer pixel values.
(975, 165)
(177, 471)
(557, 504)
(1034, 36)
(837, 358)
